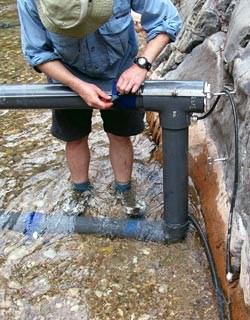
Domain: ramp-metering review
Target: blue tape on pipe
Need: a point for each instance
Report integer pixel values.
(123, 101)
(32, 223)
(131, 227)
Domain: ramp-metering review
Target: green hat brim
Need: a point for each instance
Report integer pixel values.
(99, 12)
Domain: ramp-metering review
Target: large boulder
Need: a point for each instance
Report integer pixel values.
(213, 46)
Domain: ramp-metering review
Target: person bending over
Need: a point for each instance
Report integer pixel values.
(84, 44)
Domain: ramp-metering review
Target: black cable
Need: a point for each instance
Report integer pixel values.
(215, 278)
(235, 188)
(229, 274)
(210, 110)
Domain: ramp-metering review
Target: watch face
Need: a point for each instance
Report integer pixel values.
(142, 61)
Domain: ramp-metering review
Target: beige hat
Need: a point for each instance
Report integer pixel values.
(74, 18)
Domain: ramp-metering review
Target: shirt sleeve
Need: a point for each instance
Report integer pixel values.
(36, 45)
(158, 16)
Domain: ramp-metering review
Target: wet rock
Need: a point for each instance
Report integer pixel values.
(163, 288)
(145, 317)
(185, 8)
(14, 285)
(245, 266)
(238, 32)
(214, 46)
(120, 312)
(237, 52)
(18, 253)
(239, 234)
(50, 253)
(98, 293)
(146, 251)
(208, 56)
(203, 21)
(37, 287)
(75, 308)
(73, 292)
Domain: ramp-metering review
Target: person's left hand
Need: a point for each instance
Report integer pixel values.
(131, 79)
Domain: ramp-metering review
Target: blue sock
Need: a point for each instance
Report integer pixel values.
(122, 186)
(83, 186)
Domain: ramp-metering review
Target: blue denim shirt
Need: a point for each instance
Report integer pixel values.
(105, 53)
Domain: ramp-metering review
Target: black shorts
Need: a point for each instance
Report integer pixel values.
(72, 124)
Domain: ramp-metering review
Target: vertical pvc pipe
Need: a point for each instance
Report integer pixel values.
(175, 170)
(175, 177)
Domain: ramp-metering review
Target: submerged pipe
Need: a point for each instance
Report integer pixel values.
(175, 101)
(35, 223)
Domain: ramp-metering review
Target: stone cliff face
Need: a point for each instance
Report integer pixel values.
(213, 46)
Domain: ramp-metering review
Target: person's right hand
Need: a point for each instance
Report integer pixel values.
(90, 93)
(93, 95)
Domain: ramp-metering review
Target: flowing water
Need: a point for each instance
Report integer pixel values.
(82, 276)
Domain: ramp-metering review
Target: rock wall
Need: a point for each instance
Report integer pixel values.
(213, 45)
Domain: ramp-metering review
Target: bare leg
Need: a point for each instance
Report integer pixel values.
(121, 157)
(78, 158)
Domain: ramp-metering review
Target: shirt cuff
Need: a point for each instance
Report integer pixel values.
(169, 27)
(35, 60)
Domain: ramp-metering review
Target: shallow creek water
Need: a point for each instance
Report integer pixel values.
(81, 276)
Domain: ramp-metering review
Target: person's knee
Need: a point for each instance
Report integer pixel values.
(78, 143)
(118, 139)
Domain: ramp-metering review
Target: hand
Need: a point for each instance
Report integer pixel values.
(93, 95)
(131, 79)
(90, 93)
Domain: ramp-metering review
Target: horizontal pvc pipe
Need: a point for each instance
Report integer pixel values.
(35, 223)
(156, 96)
(40, 96)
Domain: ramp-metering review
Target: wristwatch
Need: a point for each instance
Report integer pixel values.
(143, 63)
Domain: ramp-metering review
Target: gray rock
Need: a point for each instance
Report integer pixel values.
(245, 266)
(238, 32)
(213, 46)
(201, 63)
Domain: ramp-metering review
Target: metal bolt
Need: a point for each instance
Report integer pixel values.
(211, 160)
(220, 159)
(210, 163)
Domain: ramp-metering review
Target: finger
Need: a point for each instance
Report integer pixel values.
(108, 105)
(119, 82)
(124, 88)
(121, 85)
(135, 88)
(128, 88)
(106, 100)
(103, 95)
(102, 103)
